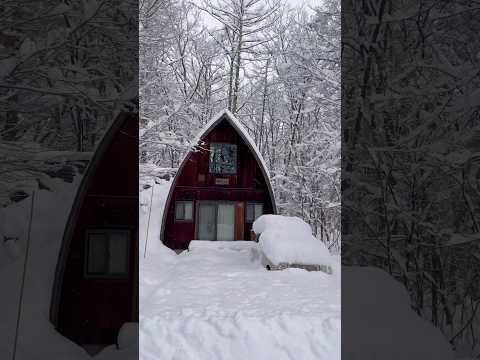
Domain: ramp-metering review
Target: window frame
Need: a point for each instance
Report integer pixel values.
(211, 171)
(107, 275)
(183, 220)
(253, 203)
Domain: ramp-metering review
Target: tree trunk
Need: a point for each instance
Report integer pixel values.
(238, 59)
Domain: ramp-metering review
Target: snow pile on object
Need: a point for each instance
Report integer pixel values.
(294, 223)
(381, 324)
(289, 240)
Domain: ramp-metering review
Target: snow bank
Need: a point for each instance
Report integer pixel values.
(381, 324)
(37, 337)
(153, 194)
(289, 240)
(239, 337)
(215, 303)
(198, 245)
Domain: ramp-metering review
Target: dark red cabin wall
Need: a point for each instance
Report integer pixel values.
(248, 185)
(92, 310)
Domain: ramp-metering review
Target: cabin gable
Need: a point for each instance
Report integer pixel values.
(95, 279)
(213, 191)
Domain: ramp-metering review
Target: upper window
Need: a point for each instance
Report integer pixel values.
(223, 158)
(254, 211)
(106, 253)
(183, 211)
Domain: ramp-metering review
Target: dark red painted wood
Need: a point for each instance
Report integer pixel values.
(248, 185)
(91, 311)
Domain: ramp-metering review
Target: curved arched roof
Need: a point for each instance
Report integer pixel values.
(235, 123)
(88, 176)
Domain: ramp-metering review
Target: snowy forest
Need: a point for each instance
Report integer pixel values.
(66, 69)
(411, 195)
(275, 65)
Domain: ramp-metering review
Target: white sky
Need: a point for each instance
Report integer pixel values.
(212, 23)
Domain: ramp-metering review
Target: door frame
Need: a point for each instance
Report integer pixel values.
(216, 203)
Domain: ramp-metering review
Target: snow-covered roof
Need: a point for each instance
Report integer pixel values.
(226, 114)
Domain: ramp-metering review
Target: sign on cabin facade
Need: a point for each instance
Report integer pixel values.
(221, 187)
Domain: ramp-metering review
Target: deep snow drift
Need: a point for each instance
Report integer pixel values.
(216, 301)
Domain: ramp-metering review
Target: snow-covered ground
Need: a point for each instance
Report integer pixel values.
(214, 302)
(217, 301)
(37, 338)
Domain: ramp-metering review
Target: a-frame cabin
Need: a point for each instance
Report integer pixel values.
(221, 187)
(96, 280)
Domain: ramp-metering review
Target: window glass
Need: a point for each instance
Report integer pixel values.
(97, 253)
(226, 222)
(118, 260)
(179, 211)
(107, 252)
(188, 212)
(254, 211)
(184, 210)
(250, 212)
(258, 211)
(206, 221)
(223, 158)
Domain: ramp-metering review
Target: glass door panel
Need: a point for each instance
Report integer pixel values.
(206, 221)
(226, 222)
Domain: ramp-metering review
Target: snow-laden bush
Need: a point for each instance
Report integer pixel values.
(289, 240)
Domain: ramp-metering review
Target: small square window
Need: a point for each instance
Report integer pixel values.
(184, 211)
(106, 253)
(254, 211)
(223, 158)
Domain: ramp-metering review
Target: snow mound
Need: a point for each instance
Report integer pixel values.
(128, 336)
(289, 240)
(152, 200)
(381, 324)
(198, 245)
(238, 336)
(214, 304)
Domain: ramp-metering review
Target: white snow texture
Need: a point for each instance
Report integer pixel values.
(289, 240)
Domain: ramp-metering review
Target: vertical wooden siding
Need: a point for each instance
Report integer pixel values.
(248, 184)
